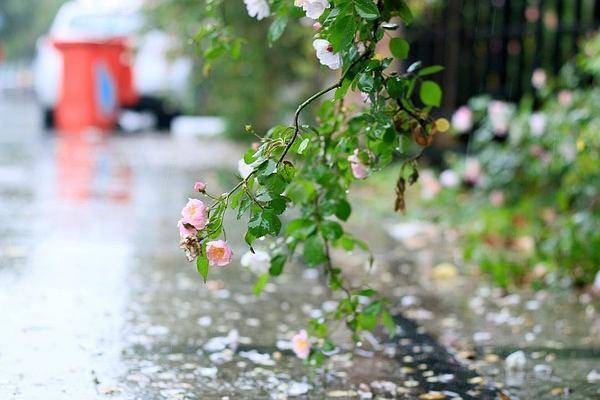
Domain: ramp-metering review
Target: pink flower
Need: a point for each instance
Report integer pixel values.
(462, 120)
(194, 213)
(218, 252)
(301, 345)
(497, 198)
(317, 25)
(359, 170)
(186, 229)
(565, 97)
(199, 186)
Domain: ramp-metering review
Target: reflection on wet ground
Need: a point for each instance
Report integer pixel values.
(97, 300)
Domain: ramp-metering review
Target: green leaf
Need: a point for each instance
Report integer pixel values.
(395, 87)
(388, 323)
(202, 265)
(274, 184)
(277, 28)
(267, 168)
(263, 222)
(399, 48)
(366, 292)
(366, 9)
(403, 11)
(342, 32)
(343, 209)
(303, 145)
(278, 205)
(430, 93)
(366, 83)
(301, 228)
(347, 243)
(249, 238)
(314, 250)
(374, 308)
(287, 171)
(277, 264)
(341, 91)
(331, 230)
(433, 69)
(260, 284)
(366, 321)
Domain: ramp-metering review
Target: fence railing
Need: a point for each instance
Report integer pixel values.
(493, 46)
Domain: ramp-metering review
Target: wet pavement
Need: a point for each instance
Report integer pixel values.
(558, 330)
(98, 302)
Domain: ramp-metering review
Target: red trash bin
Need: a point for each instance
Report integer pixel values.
(90, 92)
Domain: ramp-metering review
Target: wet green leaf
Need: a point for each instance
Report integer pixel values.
(430, 93)
(399, 48)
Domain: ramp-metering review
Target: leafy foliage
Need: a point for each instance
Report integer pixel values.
(532, 181)
(310, 166)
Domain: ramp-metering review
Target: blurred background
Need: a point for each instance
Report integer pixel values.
(499, 251)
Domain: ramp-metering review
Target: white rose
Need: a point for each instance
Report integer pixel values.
(313, 8)
(500, 114)
(244, 169)
(258, 262)
(326, 55)
(258, 9)
(537, 124)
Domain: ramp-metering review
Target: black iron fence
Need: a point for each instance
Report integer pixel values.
(493, 46)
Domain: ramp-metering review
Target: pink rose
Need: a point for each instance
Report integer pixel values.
(218, 252)
(462, 120)
(359, 170)
(199, 186)
(301, 345)
(186, 229)
(194, 213)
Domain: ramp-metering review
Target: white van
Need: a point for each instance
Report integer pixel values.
(157, 76)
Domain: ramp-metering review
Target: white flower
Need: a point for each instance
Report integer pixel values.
(258, 9)
(462, 120)
(537, 123)
(515, 361)
(244, 169)
(326, 55)
(312, 8)
(258, 262)
(449, 178)
(500, 114)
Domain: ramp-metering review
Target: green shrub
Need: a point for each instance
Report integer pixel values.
(531, 179)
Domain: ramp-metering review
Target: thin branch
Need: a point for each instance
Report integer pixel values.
(313, 98)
